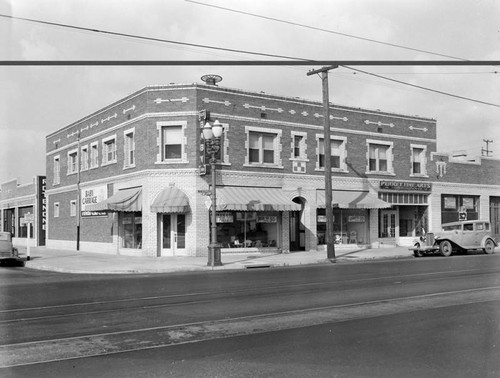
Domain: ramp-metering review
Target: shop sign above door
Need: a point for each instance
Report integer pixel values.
(406, 186)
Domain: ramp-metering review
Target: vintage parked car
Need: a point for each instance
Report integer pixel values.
(8, 253)
(457, 237)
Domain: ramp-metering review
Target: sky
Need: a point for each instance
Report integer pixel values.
(36, 101)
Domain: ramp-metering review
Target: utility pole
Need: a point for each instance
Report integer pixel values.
(330, 238)
(486, 150)
(78, 194)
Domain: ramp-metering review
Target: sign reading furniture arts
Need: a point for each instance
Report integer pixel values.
(92, 196)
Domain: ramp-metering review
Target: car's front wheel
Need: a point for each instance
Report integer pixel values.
(445, 248)
(489, 247)
(417, 252)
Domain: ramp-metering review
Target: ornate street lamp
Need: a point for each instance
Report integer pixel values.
(212, 136)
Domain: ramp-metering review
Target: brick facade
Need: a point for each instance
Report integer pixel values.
(293, 125)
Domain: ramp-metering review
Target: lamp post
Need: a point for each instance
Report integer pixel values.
(212, 136)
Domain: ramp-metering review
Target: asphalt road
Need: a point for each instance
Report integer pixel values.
(406, 317)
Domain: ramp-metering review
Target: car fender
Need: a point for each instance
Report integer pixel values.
(483, 241)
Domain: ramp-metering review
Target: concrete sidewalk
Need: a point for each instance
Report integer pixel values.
(71, 261)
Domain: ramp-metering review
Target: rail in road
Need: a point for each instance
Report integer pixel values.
(100, 327)
(119, 342)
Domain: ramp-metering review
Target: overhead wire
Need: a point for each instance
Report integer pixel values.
(161, 40)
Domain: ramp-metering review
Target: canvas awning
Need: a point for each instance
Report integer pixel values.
(254, 199)
(123, 200)
(345, 199)
(170, 200)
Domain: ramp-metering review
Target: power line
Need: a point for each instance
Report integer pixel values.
(325, 30)
(423, 88)
(126, 35)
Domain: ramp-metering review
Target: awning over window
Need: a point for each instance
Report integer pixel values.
(123, 200)
(254, 199)
(351, 200)
(170, 200)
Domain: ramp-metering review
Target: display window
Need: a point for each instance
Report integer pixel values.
(350, 226)
(248, 229)
(131, 226)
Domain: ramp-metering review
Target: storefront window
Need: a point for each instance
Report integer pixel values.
(23, 228)
(454, 205)
(132, 230)
(350, 226)
(248, 229)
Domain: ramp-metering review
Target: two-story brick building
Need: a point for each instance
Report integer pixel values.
(135, 170)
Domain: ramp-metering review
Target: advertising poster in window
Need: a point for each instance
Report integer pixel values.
(92, 196)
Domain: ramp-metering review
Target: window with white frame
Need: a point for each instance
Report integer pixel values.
(56, 209)
(263, 147)
(109, 150)
(57, 170)
(418, 160)
(72, 161)
(84, 162)
(72, 208)
(129, 148)
(299, 145)
(380, 157)
(94, 155)
(337, 153)
(171, 142)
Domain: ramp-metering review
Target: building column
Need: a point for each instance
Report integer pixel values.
(374, 228)
(285, 232)
(484, 207)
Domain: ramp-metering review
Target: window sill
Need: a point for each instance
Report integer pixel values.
(376, 173)
(129, 166)
(263, 166)
(173, 161)
(299, 159)
(420, 175)
(108, 163)
(336, 170)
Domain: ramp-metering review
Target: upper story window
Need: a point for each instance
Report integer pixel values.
(84, 162)
(56, 209)
(72, 161)
(129, 148)
(109, 150)
(94, 155)
(337, 153)
(299, 145)
(263, 147)
(418, 160)
(380, 157)
(57, 170)
(171, 142)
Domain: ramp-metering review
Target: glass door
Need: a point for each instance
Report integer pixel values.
(173, 234)
(387, 224)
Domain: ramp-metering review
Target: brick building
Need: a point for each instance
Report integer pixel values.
(132, 175)
(17, 201)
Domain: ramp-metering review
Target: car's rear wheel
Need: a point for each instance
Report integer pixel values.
(417, 252)
(445, 248)
(489, 247)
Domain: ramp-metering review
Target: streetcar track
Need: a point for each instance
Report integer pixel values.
(214, 294)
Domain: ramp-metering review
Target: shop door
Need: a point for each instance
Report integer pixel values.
(174, 234)
(387, 224)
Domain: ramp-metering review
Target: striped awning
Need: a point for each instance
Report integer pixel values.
(123, 200)
(345, 199)
(254, 199)
(170, 200)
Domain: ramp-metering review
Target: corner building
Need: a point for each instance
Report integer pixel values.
(134, 176)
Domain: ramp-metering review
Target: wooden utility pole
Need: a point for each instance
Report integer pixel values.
(330, 238)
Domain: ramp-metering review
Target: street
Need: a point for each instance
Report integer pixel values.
(432, 316)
